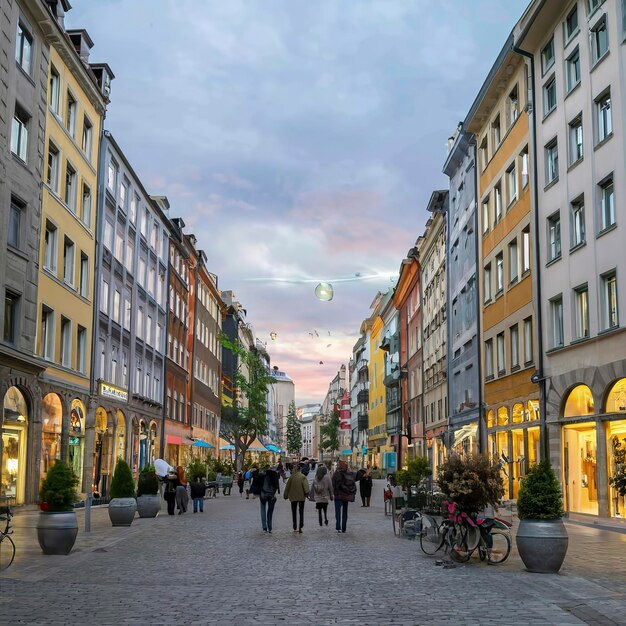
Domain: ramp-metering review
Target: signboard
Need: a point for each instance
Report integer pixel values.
(116, 393)
(364, 450)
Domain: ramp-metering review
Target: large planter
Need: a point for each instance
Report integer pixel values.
(122, 511)
(56, 532)
(542, 545)
(149, 505)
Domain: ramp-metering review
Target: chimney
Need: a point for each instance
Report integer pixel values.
(59, 8)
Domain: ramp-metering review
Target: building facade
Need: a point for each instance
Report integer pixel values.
(359, 396)
(390, 346)
(282, 394)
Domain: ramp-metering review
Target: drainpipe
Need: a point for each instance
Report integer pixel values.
(539, 376)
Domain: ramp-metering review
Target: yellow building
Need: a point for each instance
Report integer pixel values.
(499, 120)
(377, 438)
(77, 97)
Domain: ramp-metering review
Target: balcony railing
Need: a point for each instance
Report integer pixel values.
(363, 421)
(363, 397)
(361, 364)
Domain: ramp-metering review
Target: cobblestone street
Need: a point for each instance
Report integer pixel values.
(220, 568)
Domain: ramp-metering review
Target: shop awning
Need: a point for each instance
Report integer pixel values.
(174, 440)
(200, 443)
(271, 447)
(257, 446)
(347, 451)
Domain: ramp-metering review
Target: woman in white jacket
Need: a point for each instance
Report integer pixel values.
(321, 492)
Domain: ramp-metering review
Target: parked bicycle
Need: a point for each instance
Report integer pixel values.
(462, 534)
(7, 547)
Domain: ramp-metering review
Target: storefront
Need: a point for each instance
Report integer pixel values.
(15, 420)
(51, 433)
(103, 453)
(77, 437)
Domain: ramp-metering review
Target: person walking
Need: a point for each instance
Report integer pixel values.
(365, 487)
(266, 484)
(296, 491)
(240, 482)
(246, 483)
(198, 491)
(182, 497)
(169, 493)
(321, 493)
(344, 491)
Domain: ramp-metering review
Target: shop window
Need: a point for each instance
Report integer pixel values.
(533, 410)
(517, 414)
(52, 425)
(503, 416)
(579, 402)
(490, 419)
(616, 400)
(120, 451)
(13, 436)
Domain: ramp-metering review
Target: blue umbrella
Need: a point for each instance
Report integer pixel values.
(227, 447)
(199, 443)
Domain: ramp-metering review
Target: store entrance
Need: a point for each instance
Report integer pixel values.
(581, 475)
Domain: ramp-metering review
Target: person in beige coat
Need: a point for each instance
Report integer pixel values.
(296, 491)
(322, 492)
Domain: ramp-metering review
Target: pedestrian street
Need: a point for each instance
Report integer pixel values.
(218, 567)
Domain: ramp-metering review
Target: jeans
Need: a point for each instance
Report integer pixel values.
(267, 513)
(300, 506)
(198, 503)
(341, 514)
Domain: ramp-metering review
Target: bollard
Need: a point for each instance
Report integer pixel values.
(88, 513)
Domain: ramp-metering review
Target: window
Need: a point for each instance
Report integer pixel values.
(84, 275)
(24, 48)
(514, 334)
(499, 273)
(484, 154)
(489, 358)
(127, 311)
(556, 317)
(513, 106)
(68, 261)
(144, 222)
(513, 265)
(607, 204)
(54, 90)
(154, 234)
(108, 235)
(495, 132)
(577, 223)
(66, 342)
(149, 330)
(599, 40)
(554, 236)
(112, 176)
(485, 216)
(87, 141)
(528, 340)
(114, 356)
(571, 24)
(19, 134)
(549, 96)
(497, 200)
(117, 303)
(11, 316)
(119, 245)
(123, 195)
(501, 363)
(14, 236)
(511, 178)
(86, 206)
(526, 250)
(603, 116)
(525, 173)
(552, 162)
(141, 276)
(104, 297)
(134, 203)
(572, 70)
(487, 282)
(609, 301)
(52, 172)
(139, 327)
(70, 187)
(81, 350)
(581, 301)
(70, 115)
(575, 140)
(130, 256)
(47, 333)
(547, 56)
(50, 247)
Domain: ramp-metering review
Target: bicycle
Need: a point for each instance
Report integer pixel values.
(7, 547)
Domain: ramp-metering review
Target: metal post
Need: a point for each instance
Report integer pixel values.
(88, 513)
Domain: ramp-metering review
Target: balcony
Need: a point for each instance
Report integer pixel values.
(362, 421)
(361, 365)
(363, 397)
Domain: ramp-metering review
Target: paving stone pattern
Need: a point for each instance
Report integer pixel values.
(220, 568)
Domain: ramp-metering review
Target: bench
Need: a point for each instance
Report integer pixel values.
(226, 484)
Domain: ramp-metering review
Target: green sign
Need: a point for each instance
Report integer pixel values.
(74, 441)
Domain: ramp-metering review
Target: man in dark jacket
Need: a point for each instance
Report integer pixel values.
(344, 488)
(265, 485)
(198, 491)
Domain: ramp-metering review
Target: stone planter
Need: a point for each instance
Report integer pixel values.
(122, 511)
(149, 505)
(542, 545)
(56, 532)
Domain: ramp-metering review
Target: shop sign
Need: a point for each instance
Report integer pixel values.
(116, 393)
(74, 441)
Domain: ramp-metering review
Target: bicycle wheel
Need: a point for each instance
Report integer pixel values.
(500, 547)
(431, 538)
(458, 543)
(7, 551)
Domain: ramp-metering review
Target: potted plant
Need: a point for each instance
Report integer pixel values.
(57, 526)
(541, 537)
(417, 469)
(123, 505)
(148, 498)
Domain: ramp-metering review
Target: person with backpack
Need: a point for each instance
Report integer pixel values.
(198, 491)
(344, 491)
(265, 485)
(321, 492)
(296, 491)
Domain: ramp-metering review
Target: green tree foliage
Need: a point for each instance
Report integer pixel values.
(58, 489)
(294, 433)
(540, 494)
(148, 482)
(247, 418)
(417, 469)
(196, 469)
(122, 484)
(329, 434)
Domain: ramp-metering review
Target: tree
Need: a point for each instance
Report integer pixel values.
(329, 434)
(294, 434)
(246, 419)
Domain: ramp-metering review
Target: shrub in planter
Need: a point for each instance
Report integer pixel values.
(123, 505)
(541, 537)
(196, 469)
(473, 482)
(57, 527)
(148, 499)
(417, 469)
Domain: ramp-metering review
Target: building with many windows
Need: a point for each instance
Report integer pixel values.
(282, 394)
(359, 395)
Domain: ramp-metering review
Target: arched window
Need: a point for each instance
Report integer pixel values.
(490, 419)
(121, 436)
(518, 413)
(616, 400)
(503, 416)
(13, 439)
(579, 402)
(51, 428)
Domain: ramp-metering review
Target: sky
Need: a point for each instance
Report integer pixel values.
(297, 140)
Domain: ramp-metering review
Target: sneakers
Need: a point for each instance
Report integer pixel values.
(326, 522)
(300, 530)
(338, 531)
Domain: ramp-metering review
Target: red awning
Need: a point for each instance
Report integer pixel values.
(174, 440)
